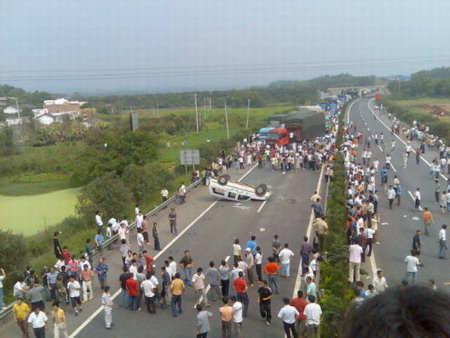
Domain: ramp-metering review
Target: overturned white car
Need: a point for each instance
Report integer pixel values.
(222, 187)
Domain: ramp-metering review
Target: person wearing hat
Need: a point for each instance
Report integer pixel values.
(21, 311)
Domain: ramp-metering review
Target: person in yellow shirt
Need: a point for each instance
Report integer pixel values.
(59, 321)
(21, 311)
(177, 289)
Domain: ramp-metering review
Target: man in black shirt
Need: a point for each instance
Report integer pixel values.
(56, 246)
(123, 300)
(263, 298)
(417, 242)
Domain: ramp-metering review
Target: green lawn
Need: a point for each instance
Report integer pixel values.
(29, 214)
(418, 106)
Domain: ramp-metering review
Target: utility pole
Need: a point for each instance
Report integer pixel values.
(204, 114)
(210, 105)
(248, 114)
(399, 90)
(196, 112)
(226, 119)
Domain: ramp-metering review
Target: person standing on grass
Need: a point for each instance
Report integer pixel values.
(102, 272)
(155, 235)
(288, 314)
(264, 300)
(38, 321)
(443, 242)
(203, 326)
(21, 311)
(59, 321)
(285, 257)
(427, 217)
(107, 304)
(173, 221)
(74, 288)
(56, 246)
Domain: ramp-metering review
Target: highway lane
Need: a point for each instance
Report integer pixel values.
(211, 238)
(398, 225)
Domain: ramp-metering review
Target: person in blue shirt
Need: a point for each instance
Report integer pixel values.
(251, 244)
(99, 240)
(384, 175)
(102, 272)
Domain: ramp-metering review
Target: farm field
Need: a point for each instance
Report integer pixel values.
(29, 214)
(428, 106)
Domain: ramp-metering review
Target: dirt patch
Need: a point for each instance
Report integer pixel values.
(439, 110)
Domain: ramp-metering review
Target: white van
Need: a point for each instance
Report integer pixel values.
(222, 187)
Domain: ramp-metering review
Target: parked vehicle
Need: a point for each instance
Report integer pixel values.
(262, 133)
(223, 187)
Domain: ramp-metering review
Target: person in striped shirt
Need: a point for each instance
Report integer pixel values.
(107, 306)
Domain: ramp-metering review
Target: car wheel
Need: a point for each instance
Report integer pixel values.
(223, 180)
(261, 190)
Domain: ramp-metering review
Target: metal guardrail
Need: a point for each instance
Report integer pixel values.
(8, 310)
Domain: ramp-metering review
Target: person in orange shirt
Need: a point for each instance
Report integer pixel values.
(427, 220)
(271, 269)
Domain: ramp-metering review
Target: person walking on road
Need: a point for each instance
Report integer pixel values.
(213, 276)
(355, 252)
(288, 314)
(177, 289)
(237, 250)
(276, 246)
(391, 195)
(199, 287)
(443, 202)
(226, 316)
(427, 217)
(417, 199)
(237, 317)
(285, 257)
(74, 288)
(59, 321)
(107, 304)
(305, 252)
(321, 228)
(21, 311)
(258, 263)
(38, 321)
(412, 264)
(417, 243)
(299, 303)
(224, 272)
(155, 235)
(264, 300)
(313, 311)
(272, 269)
(203, 326)
(149, 289)
(241, 288)
(187, 263)
(250, 261)
(443, 242)
(437, 191)
(173, 221)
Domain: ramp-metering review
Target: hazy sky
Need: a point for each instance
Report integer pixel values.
(161, 45)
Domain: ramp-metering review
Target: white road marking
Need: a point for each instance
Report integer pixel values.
(262, 229)
(384, 124)
(385, 223)
(262, 206)
(117, 293)
(242, 207)
(415, 218)
(410, 194)
(298, 281)
(393, 168)
(380, 148)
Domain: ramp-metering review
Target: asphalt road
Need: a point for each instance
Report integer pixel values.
(210, 238)
(398, 225)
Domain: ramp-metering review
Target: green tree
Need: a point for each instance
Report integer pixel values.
(108, 194)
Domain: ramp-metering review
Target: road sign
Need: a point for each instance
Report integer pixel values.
(190, 157)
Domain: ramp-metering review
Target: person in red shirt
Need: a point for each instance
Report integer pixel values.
(299, 303)
(240, 285)
(67, 255)
(148, 261)
(133, 294)
(271, 269)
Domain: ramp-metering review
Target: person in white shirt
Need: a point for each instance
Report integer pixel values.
(172, 266)
(391, 195)
(74, 288)
(412, 264)
(288, 314)
(285, 259)
(443, 242)
(107, 306)
(98, 220)
(237, 316)
(417, 198)
(140, 240)
(355, 252)
(379, 282)
(38, 321)
(139, 219)
(199, 287)
(149, 293)
(312, 312)
(164, 194)
(369, 233)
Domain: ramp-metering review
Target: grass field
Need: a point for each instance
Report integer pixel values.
(428, 106)
(29, 214)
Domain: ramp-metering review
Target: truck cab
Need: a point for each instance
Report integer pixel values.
(262, 133)
(279, 136)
